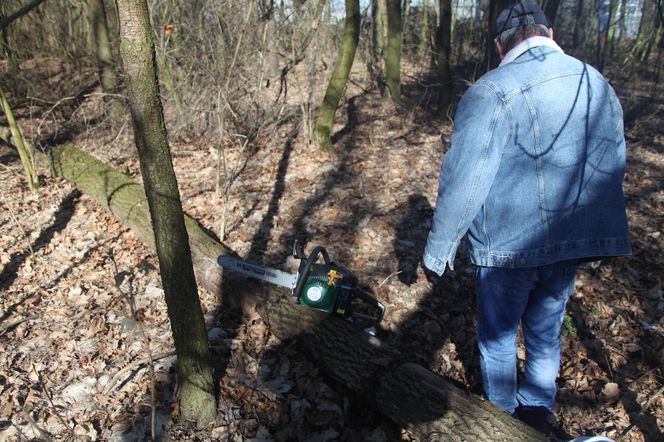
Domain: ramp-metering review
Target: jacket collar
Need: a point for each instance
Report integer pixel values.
(526, 44)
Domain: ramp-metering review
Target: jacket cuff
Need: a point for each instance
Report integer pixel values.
(436, 265)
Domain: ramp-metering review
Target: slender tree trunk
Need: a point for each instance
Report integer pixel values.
(623, 23)
(272, 63)
(495, 6)
(325, 119)
(101, 39)
(579, 27)
(551, 10)
(379, 43)
(197, 389)
(17, 140)
(424, 31)
(444, 50)
(393, 53)
(405, 13)
(611, 29)
(658, 71)
(650, 32)
(455, 7)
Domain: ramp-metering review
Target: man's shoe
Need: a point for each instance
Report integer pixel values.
(539, 418)
(542, 420)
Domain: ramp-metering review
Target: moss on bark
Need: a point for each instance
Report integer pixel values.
(325, 119)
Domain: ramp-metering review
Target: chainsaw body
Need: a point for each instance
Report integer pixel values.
(323, 286)
(332, 288)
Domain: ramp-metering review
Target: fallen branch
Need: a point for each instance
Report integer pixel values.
(13, 324)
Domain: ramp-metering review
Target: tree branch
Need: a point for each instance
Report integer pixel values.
(20, 13)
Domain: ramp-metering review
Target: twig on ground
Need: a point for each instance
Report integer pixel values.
(13, 324)
(390, 276)
(131, 366)
(53, 407)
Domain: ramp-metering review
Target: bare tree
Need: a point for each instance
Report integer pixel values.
(325, 119)
(424, 31)
(197, 389)
(495, 6)
(393, 52)
(101, 39)
(378, 42)
(443, 51)
(551, 10)
(17, 139)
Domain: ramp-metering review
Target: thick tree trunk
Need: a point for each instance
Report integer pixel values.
(325, 119)
(197, 390)
(428, 406)
(393, 52)
(101, 41)
(443, 51)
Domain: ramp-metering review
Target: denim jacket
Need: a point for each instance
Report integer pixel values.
(535, 170)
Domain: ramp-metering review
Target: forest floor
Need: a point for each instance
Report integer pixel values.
(82, 311)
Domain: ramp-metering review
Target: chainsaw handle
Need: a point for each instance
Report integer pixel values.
(305, 267)
(298, 250)
(366, 297)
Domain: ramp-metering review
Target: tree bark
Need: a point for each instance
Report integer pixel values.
(197, 389)
(6, 21)
(378, 43)
(393, 52)
(495, 6)
(611, 29)
(424, 31)
(551, 10)
(444, 43)
(425, 404)
(5, 50)
(101, 39)
(24, 151)
(325, 119)
(579, 28)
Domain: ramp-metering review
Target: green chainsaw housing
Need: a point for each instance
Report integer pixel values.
(327, 288)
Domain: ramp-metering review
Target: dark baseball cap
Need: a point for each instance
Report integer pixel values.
(520, 14)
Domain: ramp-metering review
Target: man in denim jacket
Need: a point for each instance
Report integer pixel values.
(533, 179)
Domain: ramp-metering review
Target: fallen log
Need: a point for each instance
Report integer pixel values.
(426, 405)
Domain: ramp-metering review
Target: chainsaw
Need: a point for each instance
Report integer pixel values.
(326, 286)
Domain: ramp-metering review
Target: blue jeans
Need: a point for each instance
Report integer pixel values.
(536, 297)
